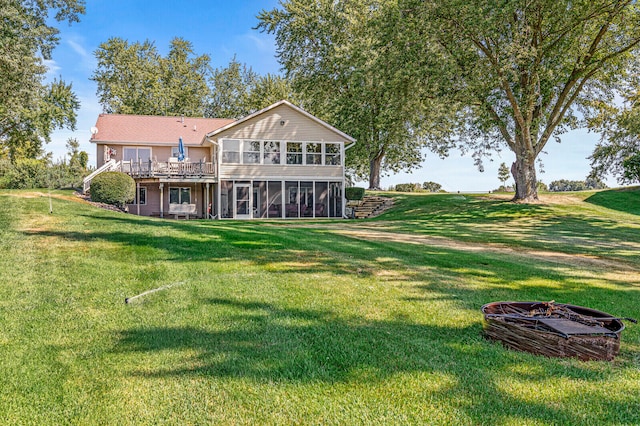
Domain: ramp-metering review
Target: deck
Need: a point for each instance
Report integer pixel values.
(184, 169)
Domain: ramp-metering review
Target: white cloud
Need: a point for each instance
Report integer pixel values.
(53, 69)
(87, 59)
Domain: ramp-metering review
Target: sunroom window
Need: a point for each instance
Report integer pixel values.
(332, 154)
(231, 151)
(271, 152)
(294, 152)
(251, 152)
(314, 153)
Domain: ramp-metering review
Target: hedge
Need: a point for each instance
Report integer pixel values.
(354, 193)
(114, 188)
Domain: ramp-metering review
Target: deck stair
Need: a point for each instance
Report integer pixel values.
(372, 206)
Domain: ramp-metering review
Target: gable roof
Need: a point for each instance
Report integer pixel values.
(149, 129)
(271, 107)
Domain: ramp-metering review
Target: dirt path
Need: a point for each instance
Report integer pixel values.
(616, 269)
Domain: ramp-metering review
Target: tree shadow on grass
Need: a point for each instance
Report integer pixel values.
(270, 344)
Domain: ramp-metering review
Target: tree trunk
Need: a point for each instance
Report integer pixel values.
(374, 172)
(524, 173)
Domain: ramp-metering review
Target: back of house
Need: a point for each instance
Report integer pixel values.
(280, 162)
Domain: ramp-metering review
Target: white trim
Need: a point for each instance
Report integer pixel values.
(277, 104)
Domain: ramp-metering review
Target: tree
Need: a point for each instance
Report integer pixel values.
(431, 186)
(523, 69)
(30, 109)
(620, 128)
(503, 173)
(631, 167)
(230, 90)
(133, 78)
(342, 57)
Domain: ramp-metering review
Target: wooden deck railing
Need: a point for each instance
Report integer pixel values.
(169, 168)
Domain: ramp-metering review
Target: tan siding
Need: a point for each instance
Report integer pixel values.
(239, 171)
(297, 127)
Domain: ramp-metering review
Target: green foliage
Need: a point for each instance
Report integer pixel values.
(431, 187)
(348, 59)
(354, 193)
(542, 187)
(576, 185)
(408, 187)
(24, 173)
(114, 188)
(133, 78)
(29, 109)
(522, 70)
(620, 128)
(504, 173)
(631, 167)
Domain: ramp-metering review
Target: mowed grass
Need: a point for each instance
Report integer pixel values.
(297, 323)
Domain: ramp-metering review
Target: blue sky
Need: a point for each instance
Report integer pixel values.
(223, 29)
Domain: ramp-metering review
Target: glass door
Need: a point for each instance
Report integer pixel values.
(242, 206)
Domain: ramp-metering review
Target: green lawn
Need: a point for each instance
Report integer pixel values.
(303, 322)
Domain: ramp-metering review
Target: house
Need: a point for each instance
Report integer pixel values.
(280, 162)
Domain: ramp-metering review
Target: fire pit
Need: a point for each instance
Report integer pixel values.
(554, 329)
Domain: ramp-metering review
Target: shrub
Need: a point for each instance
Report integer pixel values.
(432, 187)
(114, 188)
(354, 193)
(408, 187)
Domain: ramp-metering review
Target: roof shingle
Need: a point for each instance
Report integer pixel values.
(155, 129)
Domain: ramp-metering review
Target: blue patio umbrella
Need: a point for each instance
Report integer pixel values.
(180, 150)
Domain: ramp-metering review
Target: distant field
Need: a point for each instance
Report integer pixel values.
(311, 322)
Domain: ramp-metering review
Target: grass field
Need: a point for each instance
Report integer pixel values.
(311, 322)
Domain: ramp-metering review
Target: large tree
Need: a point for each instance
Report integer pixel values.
(133, 78)
(30, 109)
(526, 70)
(343, 57)
(619, 147)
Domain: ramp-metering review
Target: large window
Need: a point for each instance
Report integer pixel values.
(269, 152)
(136, 154)
(179, 195)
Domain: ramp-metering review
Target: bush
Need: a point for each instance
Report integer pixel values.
(354, 193)
(408, 187)
(114, 188)
(432, 187)
(26, 173)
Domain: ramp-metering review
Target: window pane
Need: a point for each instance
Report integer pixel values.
(143, 195)
(231, 145)
(174, 195)
(251, 154)
(274, 207)
(230, 157)
(321, 198)
(291, 194)
(129, 154)
(271, 152)
(314, 147)
(252, 146)
(332, 154)
(144, 154)
(230, 151)
(185, 195)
